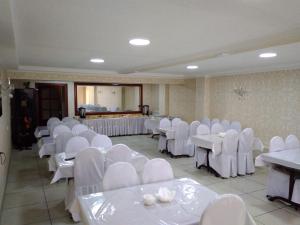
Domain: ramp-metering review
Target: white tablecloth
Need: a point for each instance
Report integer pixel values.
(41, 131)
(125, 206)
(65, 169)
(169, 132)
(211, 141)
(117, 126)
(152, 124)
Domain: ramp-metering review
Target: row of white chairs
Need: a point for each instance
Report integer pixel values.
(226, 124)
(278, 180)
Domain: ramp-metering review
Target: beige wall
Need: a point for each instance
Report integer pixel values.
(5, 137)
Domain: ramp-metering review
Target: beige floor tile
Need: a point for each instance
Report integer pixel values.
(55, 193)
(15, 187)
(223, 188)
(57, 209)
(279, 217)
(261, 194)
(64, 221)
(244, 185)
(23, 175)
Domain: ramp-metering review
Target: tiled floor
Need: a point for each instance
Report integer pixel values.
(30, 199)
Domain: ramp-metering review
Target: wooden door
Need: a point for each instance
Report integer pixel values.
(52, 101)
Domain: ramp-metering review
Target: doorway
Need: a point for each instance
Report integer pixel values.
(52, 101)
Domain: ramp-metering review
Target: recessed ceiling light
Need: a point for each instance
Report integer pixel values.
(192, 67)
(139, 42)
(97, 60)
(268, 55)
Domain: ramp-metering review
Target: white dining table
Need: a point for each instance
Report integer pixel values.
(65, 168)
(126, 206)
(168, 132)
(41, 131)
(209, 141)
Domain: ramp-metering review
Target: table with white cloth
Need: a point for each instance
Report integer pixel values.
(168, 132)
(41, 131)
(117, 126)
(126, 206)
(153, 125)
(290, 161)
(65, 168)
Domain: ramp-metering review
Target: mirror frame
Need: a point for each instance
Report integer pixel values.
(106, 84)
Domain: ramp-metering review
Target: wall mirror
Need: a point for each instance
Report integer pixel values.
(101, 98)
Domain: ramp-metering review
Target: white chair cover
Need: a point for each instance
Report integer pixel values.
(60, 129)
(296, 192)
(178, 146)
(292, 142)
(61, 141)
(216, 128)
(101, 141)
(75, 145)
(192, 132)
(277, 181)
(88, 134)
(175, 122)
(88, 176)
(117, 153)
(52, 120)
(138, 163)
(52, 126)
(213, 121)
(162, 142)
(71, 123)
(245, 152)
(120, 175)
(225, 163)
(236, 125)
(200, 153)
(227, 209)
(205, 121)
(67, 118)
(225, 124)
(156, 170)
(78, 128)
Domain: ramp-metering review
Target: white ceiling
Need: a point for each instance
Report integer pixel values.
(67, 33)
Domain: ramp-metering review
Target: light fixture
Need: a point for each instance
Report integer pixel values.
(268, 55)
(139, 42)
(97, 60)
(192, 67)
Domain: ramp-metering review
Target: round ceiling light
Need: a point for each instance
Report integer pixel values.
(192, 67)
(268, 55)
(139, 42)
(97, 60)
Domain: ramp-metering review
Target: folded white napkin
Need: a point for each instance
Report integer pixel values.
(149, 199)
(222, 134)
(165, 195)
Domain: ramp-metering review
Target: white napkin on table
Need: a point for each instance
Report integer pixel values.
(165, 195)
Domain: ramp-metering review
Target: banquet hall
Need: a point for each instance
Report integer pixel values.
(149, 112)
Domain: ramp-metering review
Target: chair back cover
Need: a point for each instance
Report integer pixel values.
(156, 170)
(193, 128)
(60, 129)
(120, 175)
(52, 120)
(53, 125)
(236, 125)
(71, 123)
(175, 122)
(88, 134)
(246, 140)
(75, 145)
(67, 118)
(216, 128)
(205, 121)
(227, 209)
(164, 123)
(230, 142)
(101, 141)
(225, 124)
(276, 144)
(203, 129)
(182, 131)
(139, 162)
(88, 171)
(213, 121)
(78, 128)
(118, 153)
(292, 142)
(61, 141)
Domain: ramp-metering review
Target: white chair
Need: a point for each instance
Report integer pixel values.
(88, 134)
(78, 128)
(67, 118)
(60, 129)
(245, 152)
(61, 141)
(101, 141)
(157, 170)
(214, 121)
(216, 128)
(178, 146)
(227, 209)
(175, 122)
(292, 142)
(118, 153)
(277, 180)
(75, 145)
(236, 125)
(52, 126)
(71, 123)
(225, 163)
(192, 132)
(225, 124)
(162, 142)
(200, 153)
(120, 175)
(52, 120)
(205, 121)
(138, 163)
(88, 176)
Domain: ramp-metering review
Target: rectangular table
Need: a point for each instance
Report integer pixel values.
(168, 132)
(125, 206)
(209, 141)
(41, 131)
